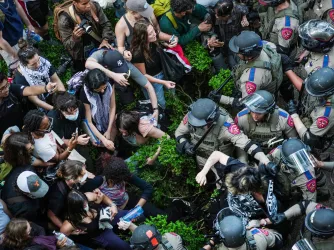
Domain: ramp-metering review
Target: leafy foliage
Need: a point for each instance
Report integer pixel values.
(198, 56)
(191, 236)
(218, 79)
(178, 108)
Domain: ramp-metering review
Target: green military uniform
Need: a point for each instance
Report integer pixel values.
(286, 179)
(256, 239)
(279, 124)
(223, 137)
(281, 27)
(182, 28)
(172, 241)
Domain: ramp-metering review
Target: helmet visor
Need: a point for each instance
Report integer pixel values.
(303, 244)
(256, 103)
(301, 161)
(315, 32)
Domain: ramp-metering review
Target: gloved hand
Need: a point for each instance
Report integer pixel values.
(292, 108)
(185, 148)
(278, 218)
(237, 104)
(124, 225)
(105, 216)
(287, 63)
(214, 96)
(272, 168)
(189, 149)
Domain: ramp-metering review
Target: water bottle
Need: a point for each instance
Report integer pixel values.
(29, 34)
(61, 236)
(133, 213)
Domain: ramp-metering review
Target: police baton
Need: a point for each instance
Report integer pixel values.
(222, 85)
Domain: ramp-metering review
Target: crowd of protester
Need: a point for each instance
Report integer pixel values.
(267, 162)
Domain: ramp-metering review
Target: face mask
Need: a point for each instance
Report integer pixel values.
(72, 117)
(86, 208)
(84, 178)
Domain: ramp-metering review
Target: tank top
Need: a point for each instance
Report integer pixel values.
(128, 39)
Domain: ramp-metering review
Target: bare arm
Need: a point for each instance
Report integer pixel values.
(299, 125)
(38, 90)
(55, 78)
(55, 220)
(6, 47)
(23, 15)
(39, 103)
(5, 209)
(153, 98)
(142, 69)
(156, 133)
(112, 111)
(213, 159)
(120, 36)
(91, 125)
(296, 80)
(67, 228)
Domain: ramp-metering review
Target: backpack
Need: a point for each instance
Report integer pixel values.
(76, 82)
(68, 7)
(171, 18)
(160, 7)
(274, 65)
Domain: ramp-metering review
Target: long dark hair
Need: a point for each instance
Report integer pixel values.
(16, 234)
(95, 78)
(140, 42)
(75, 208)
(63, 101)
(70, 170)
(15, 151)
(129, 121)
(32, 120)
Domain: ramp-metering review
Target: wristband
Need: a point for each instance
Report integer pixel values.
(68, 150)
(46, 90)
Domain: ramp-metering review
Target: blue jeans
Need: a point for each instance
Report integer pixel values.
(159, 91)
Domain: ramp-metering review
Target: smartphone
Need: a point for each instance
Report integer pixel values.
(75, 133)
(171, 39)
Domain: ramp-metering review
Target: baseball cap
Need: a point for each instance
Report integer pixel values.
(140, 6)
(29, 182)
(115, 62)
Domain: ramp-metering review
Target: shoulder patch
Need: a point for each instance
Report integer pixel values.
(172, 233)
(265, 232)
(311, 185)
(283, 113)
(255, 231)
(331, 15)
(232, 128)
(185, 119)
(290, 122)
(250, 87)
(286, 33)
(243, 112)
(322, 122)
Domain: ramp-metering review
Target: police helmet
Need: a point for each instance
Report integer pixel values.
(303, 244)
(272, 3)
(317, 35)
(231, 227)
(320, 83)
(247, 43)
(224, 8)
(145, 237)
(320, 222)
(203, 111)
(261, 102)
(295, 155)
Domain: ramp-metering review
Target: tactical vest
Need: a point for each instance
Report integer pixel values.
(274, 65)
(270, 21)
(324, 245)
(250, 243)
(264, 131)
(166, 244)
(210, 143)
(283, 181)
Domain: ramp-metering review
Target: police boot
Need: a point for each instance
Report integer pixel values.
(323, 194)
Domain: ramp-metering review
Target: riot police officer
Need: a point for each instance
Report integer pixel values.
(264, 122)
(205, 115)
(281, 21)
(259, 68)
(232, 234)
(296, 170)
(320, 87)
(320, 9)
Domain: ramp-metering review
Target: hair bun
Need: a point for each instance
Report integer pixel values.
(23, 44)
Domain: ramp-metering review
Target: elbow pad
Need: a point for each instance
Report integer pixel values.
(252, 148)
(312, 140)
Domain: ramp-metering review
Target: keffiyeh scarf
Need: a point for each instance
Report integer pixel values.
(100, 106)
(38, 76)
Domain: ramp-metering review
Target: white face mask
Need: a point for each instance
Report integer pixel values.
(72, 117)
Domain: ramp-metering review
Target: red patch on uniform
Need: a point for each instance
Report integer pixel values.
(286, 33)
(173, 233)
(290, 122)
(185, 120)
(265, 232)
(234, 129)
(320, 206)
(250, 87)
(311, 185)
(331, 15)
(272, 151)
(236, 120)
(322, 122)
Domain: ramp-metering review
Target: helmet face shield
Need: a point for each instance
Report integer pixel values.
(300, 161)
(257, 104)
(303, 244)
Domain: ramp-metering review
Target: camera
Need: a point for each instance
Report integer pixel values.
(65, 63)
(85, 25)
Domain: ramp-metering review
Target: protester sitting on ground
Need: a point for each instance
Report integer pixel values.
(46, 147)
(74, 37)
(20, 234)
(71, 175)
(87, 217)
(35, 70)
(146, 57)
(112, 63)
(67, 114)
(98, 97)
(5, 216)
(137, 10)
(11, 106)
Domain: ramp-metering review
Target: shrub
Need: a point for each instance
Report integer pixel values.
(218, 79)
(198, 56)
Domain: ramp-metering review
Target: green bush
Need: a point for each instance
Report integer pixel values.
(192, 237)
(198, 56)
(178, 108)
(218, 79)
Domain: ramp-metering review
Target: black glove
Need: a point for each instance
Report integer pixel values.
(292, 108)
(278, 218)
(287, 63)
(185, 148)
(236, 104)
(214, 96)
(269, 170)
